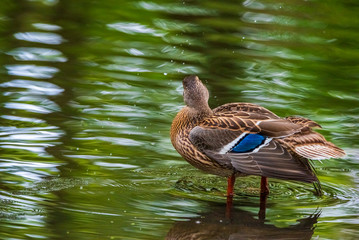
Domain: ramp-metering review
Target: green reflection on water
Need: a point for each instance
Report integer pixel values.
(89, 90)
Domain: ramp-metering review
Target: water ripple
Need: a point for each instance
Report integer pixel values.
(40, 37)
(134, 28)
(115, 165)
(120, 141)
(33, 71)
(28, 169)
(176, 9)
(259, 18)
(34, 87)
(22, 119)
(47, 27)
(37, 54)
(28, 107)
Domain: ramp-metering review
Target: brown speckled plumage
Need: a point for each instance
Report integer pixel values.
(206, 138)
(184, 122)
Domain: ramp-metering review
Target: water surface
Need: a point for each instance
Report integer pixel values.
(88, 90)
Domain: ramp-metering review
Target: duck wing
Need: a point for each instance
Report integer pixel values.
(309, 144)
(245, 107)
(243, 137)
(248, 115)
(272, 160)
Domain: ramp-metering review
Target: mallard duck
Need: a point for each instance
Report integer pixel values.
(240, 139)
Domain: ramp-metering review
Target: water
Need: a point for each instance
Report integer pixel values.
(88, 90)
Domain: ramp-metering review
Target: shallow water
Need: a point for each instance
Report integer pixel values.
(88, 90)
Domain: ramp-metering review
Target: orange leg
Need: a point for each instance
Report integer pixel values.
(230, 185)
(264, 186)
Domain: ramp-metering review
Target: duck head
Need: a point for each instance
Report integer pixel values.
(195, 94)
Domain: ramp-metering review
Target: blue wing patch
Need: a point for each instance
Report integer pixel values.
(248, 143)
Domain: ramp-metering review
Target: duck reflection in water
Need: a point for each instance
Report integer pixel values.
(241, 225)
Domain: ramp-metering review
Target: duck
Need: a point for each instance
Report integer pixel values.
(240, 139)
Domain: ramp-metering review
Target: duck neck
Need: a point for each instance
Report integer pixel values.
(194, 116)
(203, 113)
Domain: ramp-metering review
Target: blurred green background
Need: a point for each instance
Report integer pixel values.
(88, 90)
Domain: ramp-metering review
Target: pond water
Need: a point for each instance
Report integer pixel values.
(88, 90)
